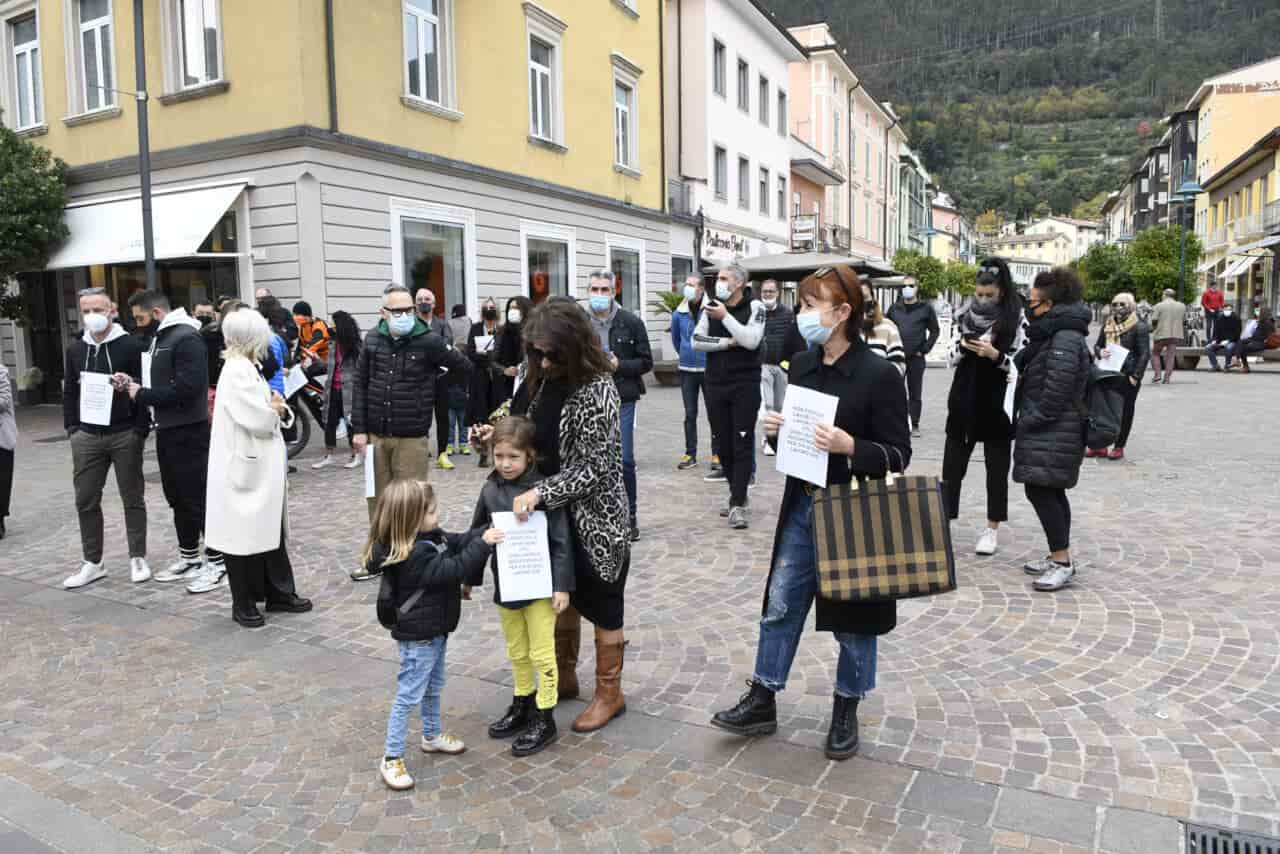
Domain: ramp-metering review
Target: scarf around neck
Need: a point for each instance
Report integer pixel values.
(973, 322)
(1115, 329)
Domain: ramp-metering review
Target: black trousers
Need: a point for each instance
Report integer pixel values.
(183, 455)
(955, 463)
(915, 388)
(6, 481)
(266, 576)
(732, 410)
(1054, 510)
(442, 413)
(1126, 416)
(333, 419)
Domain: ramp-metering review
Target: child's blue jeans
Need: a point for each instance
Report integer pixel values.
(420, 683)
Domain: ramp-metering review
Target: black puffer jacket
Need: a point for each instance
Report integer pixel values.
(394, 383)
(774, 346)
(438, 565)
(1052, 372)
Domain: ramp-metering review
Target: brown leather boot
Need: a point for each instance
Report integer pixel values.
(568, 639)
(607, 702)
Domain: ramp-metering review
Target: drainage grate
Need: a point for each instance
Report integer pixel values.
(1210, 840)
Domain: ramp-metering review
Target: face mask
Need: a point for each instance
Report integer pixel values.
(489, 314)
(1226, 312)
(204, 319)
(514, 315)
(426, 308)
(401, 324)
(724, 290)
(1120, 312)
(96, 323)
(811, 328)
(908, 293)
(985, 306)
(690, 293)
(771, 303)
(600, 303)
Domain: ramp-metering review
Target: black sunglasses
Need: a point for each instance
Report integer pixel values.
(536, 354)
(398, 312)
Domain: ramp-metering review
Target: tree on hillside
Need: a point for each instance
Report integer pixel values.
(1105, 272)
(1153, 262)
(1091, 208)
(33, 193)
(988, 223)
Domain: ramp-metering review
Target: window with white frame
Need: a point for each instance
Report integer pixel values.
(782, 114)
(545, 74)
(721, 185)
(434, 247)
(795, 203)
(835, 133)
(744, 81)
(626, 121)
(764, 100)
(718, 70)
(626, 260)
(94, 66)
(427, 51)
(549, 260)
(23, 67)
(782, 197)
(744, 183)
(197, 32)
(764, 191)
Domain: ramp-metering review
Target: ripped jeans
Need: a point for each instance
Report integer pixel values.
(792, 588)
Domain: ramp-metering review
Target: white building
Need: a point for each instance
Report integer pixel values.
(1081, 233)
(727, 144)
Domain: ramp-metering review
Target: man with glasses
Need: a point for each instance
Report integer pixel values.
(393, 393)
(425, 301)
(779, 322)
(917, 323)
(729, 332)
(625, 342)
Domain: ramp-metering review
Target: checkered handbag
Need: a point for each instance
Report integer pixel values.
(878, 540)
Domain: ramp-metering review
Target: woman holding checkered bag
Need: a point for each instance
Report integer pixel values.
(870, 436)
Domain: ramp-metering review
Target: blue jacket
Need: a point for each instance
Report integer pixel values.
(682, 323)
(281, 352)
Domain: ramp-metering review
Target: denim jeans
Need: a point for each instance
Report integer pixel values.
(629, 453)
(791, 593)
(690, 387)
(420, 683)
(458, 427)
(1213, 349)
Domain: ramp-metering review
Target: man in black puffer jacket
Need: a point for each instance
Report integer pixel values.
(393, 395)
(1053, 370)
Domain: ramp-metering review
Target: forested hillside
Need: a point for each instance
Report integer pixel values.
(1037, 105)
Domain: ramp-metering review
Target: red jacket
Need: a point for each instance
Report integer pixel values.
(1212, 300)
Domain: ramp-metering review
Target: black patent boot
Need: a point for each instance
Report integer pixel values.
(755, 713)
(515, 719)
(540, 732)
(842, 738)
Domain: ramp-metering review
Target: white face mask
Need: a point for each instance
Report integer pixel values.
(514, 315)
(908, 293)
(724, 290)
(96, 323)
(690, 293)
(770, 303)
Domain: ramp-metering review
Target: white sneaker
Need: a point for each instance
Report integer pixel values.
(89, 573)
(768, 450)
(324, 462)
(443, 743)
(395, 775)
(987, 542)
(179, 570)
(139, 570)
(1055, 579)
(210, 578)
(353, 463)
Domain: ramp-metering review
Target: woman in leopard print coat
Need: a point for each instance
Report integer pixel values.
(566, 388)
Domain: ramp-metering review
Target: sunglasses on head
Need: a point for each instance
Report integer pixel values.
(537, 354)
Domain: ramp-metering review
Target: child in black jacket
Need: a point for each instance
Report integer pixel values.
(420, 600)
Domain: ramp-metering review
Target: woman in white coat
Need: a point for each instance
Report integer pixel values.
(245, 512)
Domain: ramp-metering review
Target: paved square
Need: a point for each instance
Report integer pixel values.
(137, 717)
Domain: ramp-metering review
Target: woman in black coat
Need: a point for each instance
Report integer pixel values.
(1053, 370)
(1126, 329)
(988, 336)
(481, 396)
(508, 349)
(870, 436)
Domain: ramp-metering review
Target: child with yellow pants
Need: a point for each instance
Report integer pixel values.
(529, 627)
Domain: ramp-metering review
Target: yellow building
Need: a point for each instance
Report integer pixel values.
(479, 149)
(1053, 248)
(1246, 194)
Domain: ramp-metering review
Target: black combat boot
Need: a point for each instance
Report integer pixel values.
(755, 713)
(842, 739)
(540, 732)
(515, 720)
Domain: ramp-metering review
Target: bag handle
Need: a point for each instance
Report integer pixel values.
(889, 477)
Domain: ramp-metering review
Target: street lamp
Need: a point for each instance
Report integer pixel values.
(1186, 193)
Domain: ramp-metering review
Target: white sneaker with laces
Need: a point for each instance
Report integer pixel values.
(1038, 567)
(443, 743)
(210, 578)
(323, 462)
(353, 463)
(139, 570)
(88, 573)
(395, 775)
(988, 541)
(1055, 579)
(179, 570)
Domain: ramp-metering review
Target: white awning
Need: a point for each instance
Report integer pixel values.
(1240, 266)
(110, 231)
(1260, 244)
(1205, 266)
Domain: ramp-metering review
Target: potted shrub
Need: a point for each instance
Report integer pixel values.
(30, 391)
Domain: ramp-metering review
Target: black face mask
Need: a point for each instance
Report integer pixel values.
(489, 314)
(204, 319)
(426, 308)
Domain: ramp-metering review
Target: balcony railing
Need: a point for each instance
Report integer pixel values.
(1271, 216)
(837, 236)
(1249, 225)
(680, 198)
(1217, 237)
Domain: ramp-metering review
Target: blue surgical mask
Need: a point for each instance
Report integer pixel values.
(600, 303)
(724, 290)
(401, 324)
(811, 328)
(908, 293)
(690, 293)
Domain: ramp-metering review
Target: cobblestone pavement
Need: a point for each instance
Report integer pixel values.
(135, 717)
